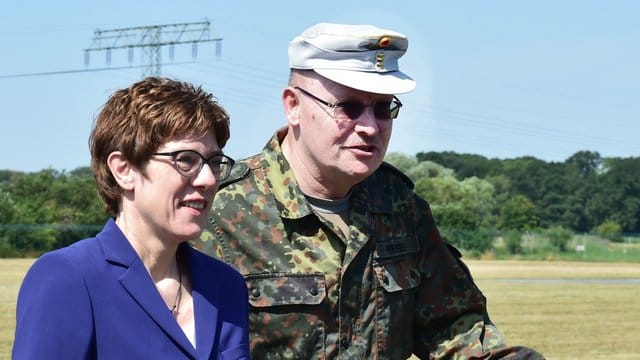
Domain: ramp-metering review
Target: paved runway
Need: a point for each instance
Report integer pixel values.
(635, 281)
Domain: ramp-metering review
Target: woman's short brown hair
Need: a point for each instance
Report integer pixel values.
(141, 118)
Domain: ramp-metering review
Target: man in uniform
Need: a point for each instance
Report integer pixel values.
(341, 258)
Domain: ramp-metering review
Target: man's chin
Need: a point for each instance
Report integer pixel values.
(362, 170)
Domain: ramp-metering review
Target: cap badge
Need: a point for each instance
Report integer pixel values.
(385, 41)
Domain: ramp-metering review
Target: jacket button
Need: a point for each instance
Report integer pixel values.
(313, 291)
(255, 292)
(344, 343)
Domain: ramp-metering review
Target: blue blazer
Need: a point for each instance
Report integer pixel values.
(95, 299)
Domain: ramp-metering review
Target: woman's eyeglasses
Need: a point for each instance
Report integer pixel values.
(189, 163)
(352, 109)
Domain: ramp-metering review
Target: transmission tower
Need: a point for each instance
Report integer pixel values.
(150, 39)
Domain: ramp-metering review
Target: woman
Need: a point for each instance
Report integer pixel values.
(138, 290)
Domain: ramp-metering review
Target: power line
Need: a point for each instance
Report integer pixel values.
(63, 72)
(509, 133)
(150, 39)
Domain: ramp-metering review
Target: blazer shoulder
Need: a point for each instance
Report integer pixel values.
(72, 257)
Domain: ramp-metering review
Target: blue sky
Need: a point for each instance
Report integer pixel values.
(501, 79)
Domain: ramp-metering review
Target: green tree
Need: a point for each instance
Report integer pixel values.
(584, 164)
(518, 213)
(464, 205)
(7, 216)
(463, 209)
(48, 209)
(80, 212)
(464, 165)
(565, 203)
(401, 161)
(615, 195)
(31, 193)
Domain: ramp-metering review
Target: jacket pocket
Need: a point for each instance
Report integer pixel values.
(287, 315)
(395, 263)
(280, 289)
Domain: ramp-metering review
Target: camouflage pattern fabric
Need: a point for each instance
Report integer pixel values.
(389, 288)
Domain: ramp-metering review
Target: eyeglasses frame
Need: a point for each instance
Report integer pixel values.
(394, 112)
(174, 156)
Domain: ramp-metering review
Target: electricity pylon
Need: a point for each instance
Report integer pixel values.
(150, 39)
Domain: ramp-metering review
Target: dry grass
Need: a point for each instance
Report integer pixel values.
(504, 269)
(562, 319)
(11, 274)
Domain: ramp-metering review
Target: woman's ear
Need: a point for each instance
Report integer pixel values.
(291, 105)
(122, 171)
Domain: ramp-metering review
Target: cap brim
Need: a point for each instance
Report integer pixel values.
(392, 82)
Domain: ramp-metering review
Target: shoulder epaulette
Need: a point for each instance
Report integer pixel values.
(402, 175)
(239, 171)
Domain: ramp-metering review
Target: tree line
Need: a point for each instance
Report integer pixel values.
(46, 210)
(473, 199)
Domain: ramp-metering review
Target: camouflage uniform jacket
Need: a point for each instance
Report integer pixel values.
(387, 289)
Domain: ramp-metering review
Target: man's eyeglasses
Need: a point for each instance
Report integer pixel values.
(352, 110)
(189, 163)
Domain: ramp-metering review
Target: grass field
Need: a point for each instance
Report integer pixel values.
(566, 310)
(11, 274)
(571, 311)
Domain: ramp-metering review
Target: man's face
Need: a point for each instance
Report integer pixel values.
(337, 142)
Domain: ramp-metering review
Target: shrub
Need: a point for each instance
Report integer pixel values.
(513, 242)
(559, 237)
(610, 230)
(476, 241)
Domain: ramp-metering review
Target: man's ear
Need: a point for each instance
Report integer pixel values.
(291, 105)
(122, 171)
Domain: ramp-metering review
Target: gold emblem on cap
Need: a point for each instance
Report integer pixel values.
(385, 41)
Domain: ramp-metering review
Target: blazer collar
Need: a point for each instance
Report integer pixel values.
(137, 282)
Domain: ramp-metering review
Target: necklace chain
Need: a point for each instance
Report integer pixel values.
(174, 308)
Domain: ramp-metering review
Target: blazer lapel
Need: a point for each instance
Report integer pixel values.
(137, 282)
(204, 292)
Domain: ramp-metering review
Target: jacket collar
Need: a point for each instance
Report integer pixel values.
(137, 282)
(290, 200)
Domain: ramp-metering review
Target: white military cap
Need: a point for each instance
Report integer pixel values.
(362, 57)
